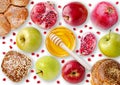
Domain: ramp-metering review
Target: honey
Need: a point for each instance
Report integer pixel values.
(66, 36)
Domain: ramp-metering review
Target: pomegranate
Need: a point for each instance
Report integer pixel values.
(104, 15)
(44, 15)
(88, 43)
(75, 13)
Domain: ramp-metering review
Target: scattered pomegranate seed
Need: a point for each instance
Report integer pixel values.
(32, 2)
(92, 56)
(27, 80)
(98, 33)
(87, 81)
(4, 79)
(30, 23)
(34, 77)
(90, 27)
(42, 51)
(89, 4)
(74, 29)
(38, 82)
(33, 54)
(60, 23)
(32, 71)
(77, 51)
(117, 3)
(14, 33)
(10, 47)
(88, 75)
(4, 53)
(81, 31)
(117, 29)
(62, 61)
(100, 55)
(58, 82)
(11, 40)
(37, 55)
(14, 43)
(3, 37)
(89, 59)
(79, 36)
(59, 6)
(3, 42)
(85, 26)
(45, 32)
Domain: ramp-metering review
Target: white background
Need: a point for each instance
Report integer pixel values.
(5, 47)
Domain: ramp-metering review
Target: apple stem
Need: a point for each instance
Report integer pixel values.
(40, 72)
(109, 35)
(66, 17)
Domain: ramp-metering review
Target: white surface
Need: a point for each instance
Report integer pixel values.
(5, 47)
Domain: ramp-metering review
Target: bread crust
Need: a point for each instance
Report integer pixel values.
(15, 65)
(106, 72)
(20, 2)
(4, 5)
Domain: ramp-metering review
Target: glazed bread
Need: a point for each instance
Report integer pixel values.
(16, 16)
(106, 72)
(4, 25)
(15, 65)
(20, 2)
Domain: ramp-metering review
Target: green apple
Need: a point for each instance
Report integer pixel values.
(110, 44)
(47, 67)
(28, 39)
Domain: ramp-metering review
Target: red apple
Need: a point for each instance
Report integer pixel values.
(104, 15)
(73, 72)
(75, 13)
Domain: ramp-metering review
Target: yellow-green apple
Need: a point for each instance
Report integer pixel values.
(47, 67)
(28, 39)
(109, 44)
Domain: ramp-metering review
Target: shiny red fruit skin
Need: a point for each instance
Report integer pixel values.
(104, 15)
(71, 66)
(75, 13)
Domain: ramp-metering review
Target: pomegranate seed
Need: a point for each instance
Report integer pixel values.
(34, 77)
(98, 33)
(88, 75)
(14, 43)
(32, 71)
(79, 36)
(27, 80)
(4, 79)
(4, 53)
(117, 29)
(59, 6)
(3, 42)
(10, 47)
(32, 2)
(60, 23)
(11, 40)
(77, 51)
(90, 27)
(62, 61)
(117, 3)
(33, 53)
(92, 55)
(38, 82)
(3, 37)
(30, 23)
(100, 55)
(89, 4)
(45, 32)
(85, 26)
(42, 51)
(89, 59)
(74, 29)
(87, 81)
(37, 55)
(58, 82)
(81, 31)
(14, 33)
